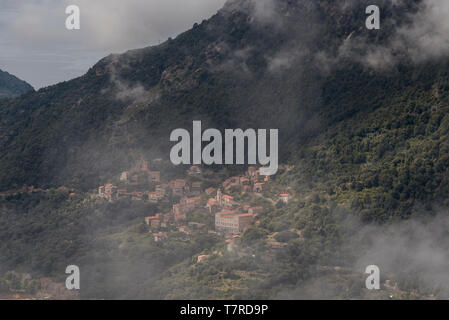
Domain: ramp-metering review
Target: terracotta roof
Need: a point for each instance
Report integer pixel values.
(212, 201)
(229, 212)
(245, 215)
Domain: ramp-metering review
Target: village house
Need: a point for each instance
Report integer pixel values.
(178, 183)
(160, 216)
(137, 196)
(161, 189)
(189, 204)
(179, 186)
(233, 187)
(108, 192)
(140, 174)
(232, 222)
(154, 197)
(202, 257)
(141, 165)
(212, 205)
(166, 220)
(160, 236)
(197, 187)
(224, 200)
(123, 193)
(232, 180)
(226, 182)
(259, 187)
(228, 201)
(285, 198)
(194, 170)
(185, 229)
(154, 176)
(124, 177)
(178, 191)
(210, 191)
(255, 210)
(109, 188)
(154, 222)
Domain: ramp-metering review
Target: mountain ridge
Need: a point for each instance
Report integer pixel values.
(223, 52)
(11, 86)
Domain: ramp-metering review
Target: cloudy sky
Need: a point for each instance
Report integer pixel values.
(36, 46)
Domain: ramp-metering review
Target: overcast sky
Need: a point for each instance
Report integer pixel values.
(36, 46)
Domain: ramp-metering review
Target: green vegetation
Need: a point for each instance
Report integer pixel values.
(355, 144)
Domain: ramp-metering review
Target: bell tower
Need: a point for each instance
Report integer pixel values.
(219, 197)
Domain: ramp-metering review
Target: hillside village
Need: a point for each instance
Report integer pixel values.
(230, 217)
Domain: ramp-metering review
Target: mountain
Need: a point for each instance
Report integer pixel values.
(228, 71)
(11, 86)
(363, 145)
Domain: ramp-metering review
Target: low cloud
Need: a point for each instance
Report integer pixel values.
(124, 90)
(285, 58)
(411, 254)
(416, 250)
(426, 37)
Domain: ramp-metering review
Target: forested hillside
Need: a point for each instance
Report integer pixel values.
(363, 150)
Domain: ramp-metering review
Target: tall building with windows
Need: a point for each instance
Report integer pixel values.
(232, 221)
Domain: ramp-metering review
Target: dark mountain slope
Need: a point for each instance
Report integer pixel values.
(243, 69)
(239, 68)
(11, 86)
